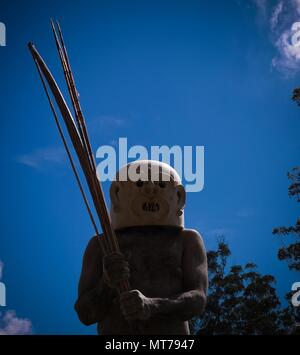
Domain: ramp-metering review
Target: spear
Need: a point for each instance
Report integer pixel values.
(91, 177)
(111, 240)
(79, 136)
(69, 156)
(80, 140)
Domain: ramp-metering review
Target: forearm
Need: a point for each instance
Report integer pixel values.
(92, 305)
(184, 306)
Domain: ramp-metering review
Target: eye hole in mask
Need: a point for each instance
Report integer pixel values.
(139, 183)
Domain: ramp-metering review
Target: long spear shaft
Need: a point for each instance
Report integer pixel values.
(81, 145)
(97, 194)
(62, 51)
(74, 93)
(69, 156)
(67, 116)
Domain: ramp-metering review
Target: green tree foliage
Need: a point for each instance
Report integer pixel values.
(296, 96)
(291, 253)
(241, 300)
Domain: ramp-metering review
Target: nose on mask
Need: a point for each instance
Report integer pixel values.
(150, 188)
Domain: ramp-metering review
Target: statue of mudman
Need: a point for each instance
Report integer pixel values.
(164, 262)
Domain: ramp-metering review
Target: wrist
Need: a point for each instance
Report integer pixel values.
(154, 305)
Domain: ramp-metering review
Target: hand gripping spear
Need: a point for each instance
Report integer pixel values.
(81, 143)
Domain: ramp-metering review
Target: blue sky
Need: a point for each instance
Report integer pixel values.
(211, 73)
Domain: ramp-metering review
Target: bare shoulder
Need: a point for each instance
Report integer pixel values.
(192, 239)
(93, 249)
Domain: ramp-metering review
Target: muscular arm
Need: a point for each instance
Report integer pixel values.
(94, 296)
(195, 282)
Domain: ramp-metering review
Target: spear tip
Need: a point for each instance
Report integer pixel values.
(30, 45)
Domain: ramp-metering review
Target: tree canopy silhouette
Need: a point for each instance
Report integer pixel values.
(296, 96)
(291, 253)
(241, 300)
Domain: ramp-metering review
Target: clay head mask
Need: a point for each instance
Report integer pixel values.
(147, 192)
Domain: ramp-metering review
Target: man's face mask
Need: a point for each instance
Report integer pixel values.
(152, 195)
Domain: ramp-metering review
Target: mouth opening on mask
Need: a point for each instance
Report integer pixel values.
(151, 207)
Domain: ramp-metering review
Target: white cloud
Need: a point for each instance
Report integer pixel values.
(297, 5)
(275, 15)
(103, 126)
(43, 156)
(283, 18)
(10, 324)
(109, 120)
(288, 45)
(285, 30)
